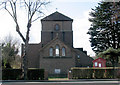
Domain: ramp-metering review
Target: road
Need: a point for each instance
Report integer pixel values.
(64, 83)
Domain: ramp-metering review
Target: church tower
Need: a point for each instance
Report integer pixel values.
(55, 53)
(57, 25)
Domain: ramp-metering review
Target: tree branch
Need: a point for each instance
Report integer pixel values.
(17, 29)
(36, 19)
(9, 13)
(12, 8)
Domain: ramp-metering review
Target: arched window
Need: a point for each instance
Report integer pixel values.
(78, 56)
(63, 51)
(57, 27)
(51, 51)
(57, 51)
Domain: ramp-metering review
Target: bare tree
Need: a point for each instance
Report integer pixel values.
(32, 7)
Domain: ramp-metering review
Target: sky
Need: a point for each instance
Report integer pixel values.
(78, 10)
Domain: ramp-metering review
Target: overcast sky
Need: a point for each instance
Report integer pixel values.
(78, 10)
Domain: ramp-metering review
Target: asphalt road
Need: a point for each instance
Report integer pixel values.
(64, 83)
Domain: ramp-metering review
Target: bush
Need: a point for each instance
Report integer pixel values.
(11, 74)
(36, 74)
(15, 74)
(82, 73)
(118, 74)
(109, 73)
(97, 73)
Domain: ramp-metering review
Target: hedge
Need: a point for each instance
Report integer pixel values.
(11, 74)
(36, 74)
(94, 73)
(15, 74)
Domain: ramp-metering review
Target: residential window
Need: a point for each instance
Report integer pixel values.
(95, 64)
(78, 56)
(63, 51)
(100, 65)
(57, 71)
(51, 35)
(51, 51)
(57, 27)
(57, 50)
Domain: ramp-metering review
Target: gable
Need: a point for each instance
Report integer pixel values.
(99, 59)
(55, 42)
(56, 16)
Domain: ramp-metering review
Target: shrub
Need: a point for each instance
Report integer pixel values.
(109, 73)
(15, 74)
(118, 74)
(36, 74)
(11, 74)
(82, 73)
(97, 73)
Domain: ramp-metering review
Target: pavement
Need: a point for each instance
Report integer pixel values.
(65, 82)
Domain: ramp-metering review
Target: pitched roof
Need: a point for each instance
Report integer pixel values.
(56, 16)
(99, 59)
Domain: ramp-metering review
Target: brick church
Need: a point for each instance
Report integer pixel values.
(55, 53)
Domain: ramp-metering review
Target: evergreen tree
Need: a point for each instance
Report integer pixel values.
(105, 27)
(111, 56)
(9, 52)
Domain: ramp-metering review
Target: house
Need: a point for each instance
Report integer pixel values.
(99, 62)
(55, 53)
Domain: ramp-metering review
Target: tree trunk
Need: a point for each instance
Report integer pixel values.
(25, 59)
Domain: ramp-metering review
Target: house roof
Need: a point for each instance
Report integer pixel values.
(99, 59)
(56, 16)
